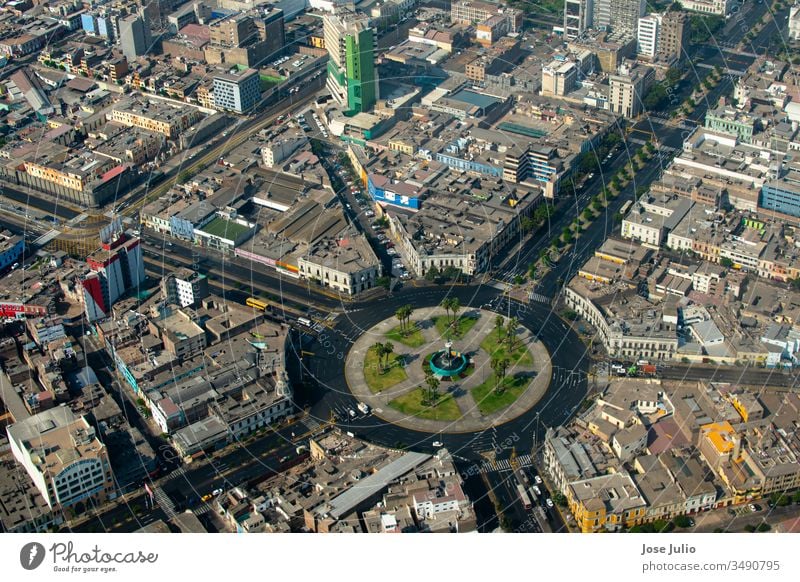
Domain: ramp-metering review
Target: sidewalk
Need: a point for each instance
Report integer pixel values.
(471, 420)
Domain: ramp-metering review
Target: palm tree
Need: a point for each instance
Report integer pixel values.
(500, 367)
(380, 351)
(388, 350)
(445, 304)
(433, 389)
(400, 314)
(511, 332)
(455, 307)
(408, 310)
(499, 326)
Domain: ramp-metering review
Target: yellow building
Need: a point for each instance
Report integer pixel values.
(317, 41)
(606, 503)
(65, 178)
(154, 116)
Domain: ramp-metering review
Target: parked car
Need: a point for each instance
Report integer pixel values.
(549, 503)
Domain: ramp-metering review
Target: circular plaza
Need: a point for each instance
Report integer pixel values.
(448, 369)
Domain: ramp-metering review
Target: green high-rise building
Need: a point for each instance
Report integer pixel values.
(352, 78)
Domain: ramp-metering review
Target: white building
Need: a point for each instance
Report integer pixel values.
(794, 22)
(348, 265)
(647, 37)
(719, 7)
(61, 453)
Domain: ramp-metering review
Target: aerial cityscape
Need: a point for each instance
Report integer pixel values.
(399, 266)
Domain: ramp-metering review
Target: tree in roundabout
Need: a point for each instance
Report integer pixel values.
(432, 387)
(403, 315)
(500, 368)
(384, 351)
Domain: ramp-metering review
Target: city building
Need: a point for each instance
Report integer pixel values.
(155, 116)
(347, 264)
(247, 39)
(473, 12)
(115, 268)
(184, 287)
(794, 22)
(11, 248)
(606, 503)
(64, 458)
(673, 36)
(237, 92)
(619, 16)
(578, 16)
(647, 39)
(628, 87)
(559, 78)
(352, 75)
(134, 36)
(718, 7)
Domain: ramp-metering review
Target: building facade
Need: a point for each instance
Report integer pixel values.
(134, 37)
(237, 92)
(63, 456)
(352, 76)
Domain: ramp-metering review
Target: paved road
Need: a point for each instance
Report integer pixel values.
(329, 391)
(736, 375)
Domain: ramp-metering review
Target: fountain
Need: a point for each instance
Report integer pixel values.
(448, 363)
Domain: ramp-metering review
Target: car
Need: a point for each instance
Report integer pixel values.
(537, 479)
(438, 444)
(206, 497)
(216, 492)
(753, 507)
(549, 503)
(405, 276)
(537, 490)
(391, 252)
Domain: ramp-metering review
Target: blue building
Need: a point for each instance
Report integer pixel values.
(237, 92)
(88, 23)
(783, 197)
(11, 249)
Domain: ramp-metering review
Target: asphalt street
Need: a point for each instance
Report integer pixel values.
(329, 392)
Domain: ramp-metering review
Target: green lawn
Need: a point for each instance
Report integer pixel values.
(519, 357)
(489, 401)
(412, 404)
(463, 325)
(412, 338)
(376, 378)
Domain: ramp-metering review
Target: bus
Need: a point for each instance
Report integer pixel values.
(626, 207)
(523, 496)
(257, 304)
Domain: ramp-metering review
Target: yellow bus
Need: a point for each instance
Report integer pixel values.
(256, 303)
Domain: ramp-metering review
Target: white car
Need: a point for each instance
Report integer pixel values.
(549, 503)
(538, 480)
(438, 444)
(216, 492)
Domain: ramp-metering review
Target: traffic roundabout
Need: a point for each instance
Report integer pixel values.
(466, 401)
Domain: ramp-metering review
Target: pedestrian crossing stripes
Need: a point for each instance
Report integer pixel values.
(538, 297)
(311, 423)
(505, 464)
(164, 502)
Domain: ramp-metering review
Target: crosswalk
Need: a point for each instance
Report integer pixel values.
(539, 298)
(164, 502)
(505, 464)
(311, 423)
